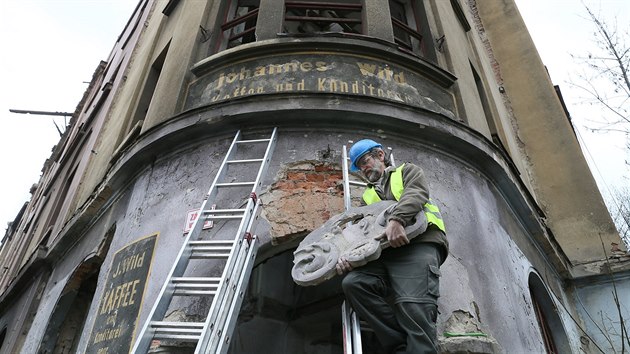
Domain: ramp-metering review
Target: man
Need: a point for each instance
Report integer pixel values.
(397, 293)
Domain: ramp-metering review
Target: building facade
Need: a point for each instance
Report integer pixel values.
(454, 86)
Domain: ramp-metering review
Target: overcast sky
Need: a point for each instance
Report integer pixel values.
(52, 47)
(50, 50)
(560, 28)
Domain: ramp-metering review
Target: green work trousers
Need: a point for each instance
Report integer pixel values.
(397, 296)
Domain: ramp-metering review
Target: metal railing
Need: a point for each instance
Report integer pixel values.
(409, 32)
(241, 35)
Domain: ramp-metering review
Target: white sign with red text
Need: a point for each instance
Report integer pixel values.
(192, 215)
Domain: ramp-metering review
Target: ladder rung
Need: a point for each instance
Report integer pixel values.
(192, 327)
(245, 161)
(187, 292)
(178, 337)
(211, 243)
(204, 287)
(219, 214)
(184, 331)
(253, 141)
(200, 286)
(235, 184)
(224, 211)
(203, 255)
(196, 280)
(165, 324)
(211, 248)
(223, 217)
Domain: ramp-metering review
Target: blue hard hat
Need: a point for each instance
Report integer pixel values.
(359, 149)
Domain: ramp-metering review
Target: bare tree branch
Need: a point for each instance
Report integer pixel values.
(619, 205)
(605, 77)
(611, 43)
(603, 101)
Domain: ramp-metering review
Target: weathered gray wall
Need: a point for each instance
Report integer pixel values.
(596, 304)
(64, 269)
(17, 317)
(485, 275)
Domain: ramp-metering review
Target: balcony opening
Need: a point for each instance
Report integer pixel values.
(404, 23)
(306, 17)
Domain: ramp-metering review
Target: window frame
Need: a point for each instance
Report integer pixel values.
(411, 28)
(554, 336)
(232, 20)
(270, 21)
(324, 6)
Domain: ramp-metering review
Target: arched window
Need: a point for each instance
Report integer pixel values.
(554, 337)
(68, 318)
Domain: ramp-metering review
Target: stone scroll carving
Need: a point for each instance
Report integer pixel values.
(352, 234)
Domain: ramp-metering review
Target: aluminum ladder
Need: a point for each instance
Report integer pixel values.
(227, 291)
(351, 324)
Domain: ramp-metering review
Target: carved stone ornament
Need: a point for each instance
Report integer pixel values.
(354, 235)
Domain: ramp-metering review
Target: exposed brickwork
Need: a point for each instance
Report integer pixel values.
(472, 4)
(496, 69)
(304, 196)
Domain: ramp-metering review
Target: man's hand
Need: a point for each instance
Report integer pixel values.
(395, 234)
(343, 266)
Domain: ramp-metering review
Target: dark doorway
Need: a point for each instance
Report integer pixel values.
(279, 316)
(68, 318)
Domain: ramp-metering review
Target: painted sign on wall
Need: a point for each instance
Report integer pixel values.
(121, 300)
(329, 73)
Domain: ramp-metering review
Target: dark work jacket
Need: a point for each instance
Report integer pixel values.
(415, 195)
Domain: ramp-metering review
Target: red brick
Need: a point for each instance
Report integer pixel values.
(296, 176)
(315, 177)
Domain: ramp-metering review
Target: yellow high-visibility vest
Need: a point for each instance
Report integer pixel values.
(396, 185)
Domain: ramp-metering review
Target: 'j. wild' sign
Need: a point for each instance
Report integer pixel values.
(120, 302)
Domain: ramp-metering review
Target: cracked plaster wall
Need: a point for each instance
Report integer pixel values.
(490, 256)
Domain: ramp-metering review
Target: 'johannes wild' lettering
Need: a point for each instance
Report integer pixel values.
(382, 72)
(356, 77)
(270, 69)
